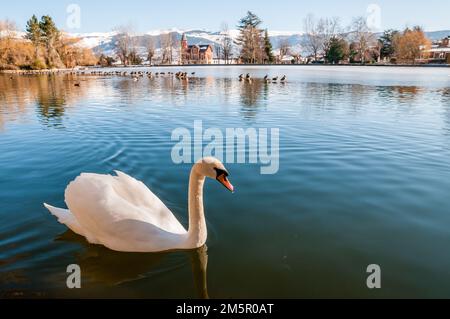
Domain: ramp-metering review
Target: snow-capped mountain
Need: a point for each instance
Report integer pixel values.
(106, 42)
(94, 40)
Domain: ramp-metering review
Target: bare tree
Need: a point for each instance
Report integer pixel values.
(150, 50)
(8, 29)
(362, 36)
(218, 52)
(329, 29)
(167, 48)
(314, 40)
(252, 48)
(226, 43)
(7, 33)
(124, 44)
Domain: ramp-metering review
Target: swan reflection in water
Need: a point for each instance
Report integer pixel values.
(100, 265)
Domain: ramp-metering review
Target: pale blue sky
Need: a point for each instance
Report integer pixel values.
(281, 15)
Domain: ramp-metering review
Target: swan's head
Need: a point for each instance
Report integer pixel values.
(213, 168)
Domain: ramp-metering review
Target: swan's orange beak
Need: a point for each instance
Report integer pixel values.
(225, 182)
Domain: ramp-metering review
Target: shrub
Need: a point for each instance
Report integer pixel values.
(38, 64)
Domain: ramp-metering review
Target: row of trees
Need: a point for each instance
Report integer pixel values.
(357, 43)
(328, 41)
(47, 47)
(254, 41)
(127, 44)
(325, 39)
(406, 46)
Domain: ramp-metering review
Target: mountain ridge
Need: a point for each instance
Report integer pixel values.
(104, 42)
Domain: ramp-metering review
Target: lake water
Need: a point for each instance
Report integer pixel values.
(364, 178)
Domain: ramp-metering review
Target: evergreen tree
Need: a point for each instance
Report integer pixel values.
(250, 39)
(268, 48)
(50, 36)
(49, 30)
(47, 47)
(387, 41)
(250, 19)
(34, 33)
(337, 50)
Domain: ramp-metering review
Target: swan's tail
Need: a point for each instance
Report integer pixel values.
(65, 217)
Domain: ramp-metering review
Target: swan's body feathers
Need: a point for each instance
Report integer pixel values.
(122, 212)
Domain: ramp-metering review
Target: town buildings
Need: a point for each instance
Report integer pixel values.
(195, 54)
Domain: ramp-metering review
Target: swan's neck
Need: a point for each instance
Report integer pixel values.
(197, 233)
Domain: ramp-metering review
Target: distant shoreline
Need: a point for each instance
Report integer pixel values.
(84, 69)
(298, 65)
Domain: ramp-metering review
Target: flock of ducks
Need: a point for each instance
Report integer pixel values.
(179, 75)
(136, 75)
(267, 79)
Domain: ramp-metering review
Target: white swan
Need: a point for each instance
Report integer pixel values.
(122, 214)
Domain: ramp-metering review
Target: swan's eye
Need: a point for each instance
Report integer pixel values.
(220, 172)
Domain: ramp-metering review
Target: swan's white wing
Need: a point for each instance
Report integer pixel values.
(67, 218)
(140, 195)
(101, 202)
